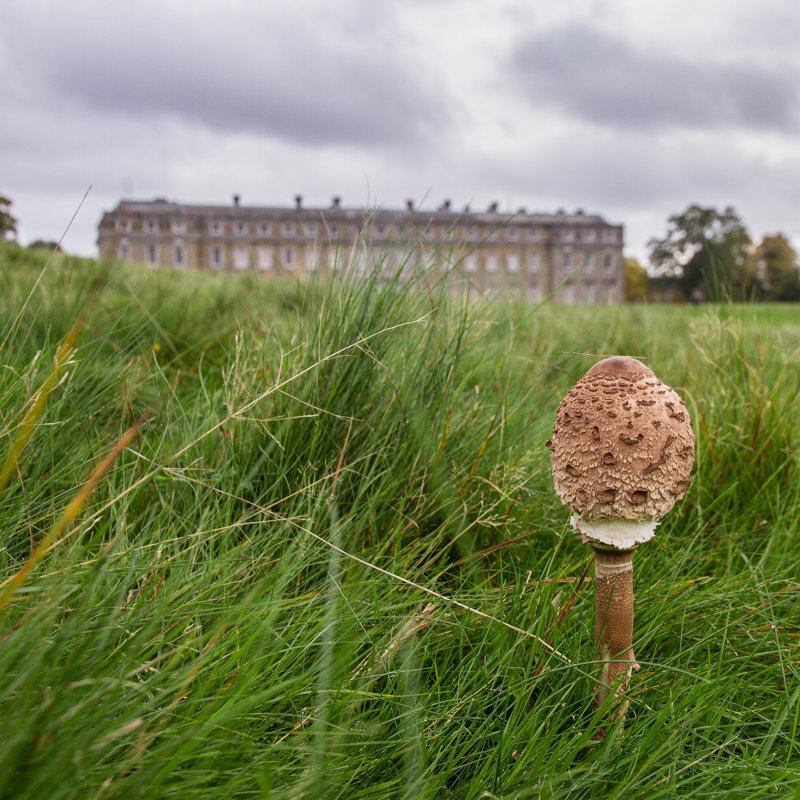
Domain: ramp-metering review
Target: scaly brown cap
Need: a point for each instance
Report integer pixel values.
(622, 444)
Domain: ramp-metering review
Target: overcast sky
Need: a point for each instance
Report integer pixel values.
(628, 109)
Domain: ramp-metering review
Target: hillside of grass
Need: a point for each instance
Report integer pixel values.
(322, 557)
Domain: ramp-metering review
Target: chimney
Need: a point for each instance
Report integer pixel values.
(493, 207)
(236, 199)
(337, 201)
(578, 212)
(410, 205)
(298, 201)
(522, 210)
(445, 205)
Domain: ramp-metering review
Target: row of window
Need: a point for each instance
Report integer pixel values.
(265, 259)
(491, 262)
(312, 230)
(589, 236)
(587, 261)
(217, 228)
(216, 256)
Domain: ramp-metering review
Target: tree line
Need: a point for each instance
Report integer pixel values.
(708, 254)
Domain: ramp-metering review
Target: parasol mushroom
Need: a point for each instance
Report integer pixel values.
(622, 456)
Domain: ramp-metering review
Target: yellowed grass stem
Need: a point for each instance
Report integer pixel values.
(70, 513)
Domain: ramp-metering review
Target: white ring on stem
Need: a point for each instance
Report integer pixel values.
(617, 534)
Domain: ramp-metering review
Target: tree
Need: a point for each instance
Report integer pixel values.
(45, 244)
(8, 225)
(708, 250)
(636, 279)
(774, 261)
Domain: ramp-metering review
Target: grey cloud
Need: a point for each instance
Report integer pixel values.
(271, 69)
(601, 78)
(601, 168)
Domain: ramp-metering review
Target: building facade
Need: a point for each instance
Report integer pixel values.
(570, 257)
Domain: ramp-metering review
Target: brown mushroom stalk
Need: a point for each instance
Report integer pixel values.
(622, 456)
(613, 627)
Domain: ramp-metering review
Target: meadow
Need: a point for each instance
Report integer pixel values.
(265, 539)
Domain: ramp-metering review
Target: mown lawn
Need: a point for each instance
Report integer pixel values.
(330, 562)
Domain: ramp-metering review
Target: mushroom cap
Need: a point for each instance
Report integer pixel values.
(622, 444)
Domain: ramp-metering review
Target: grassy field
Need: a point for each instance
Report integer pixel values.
(330, 562)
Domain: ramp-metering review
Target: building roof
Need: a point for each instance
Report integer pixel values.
(444, 215)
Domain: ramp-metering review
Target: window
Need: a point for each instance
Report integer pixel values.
(264, 257)
(534, 262)
(152, 254)
(426, 260)
(380, 230)
(151, 226)
(334, 230)
(216, 257)
(589, 235)
(359, 263)
(123, 251)
(512, 234)
(390, 259)
(512, 262)
(288, 257)
(566, 260)
(241, 228)
(610, 236)
(215, 227)
(568, 235)
(471, 262)
(491, 262)
(608, 263)
(311, 230)
(179, 256)
(123, 225)
(265, 229)
(533, 235)
(312, 258)
(588, 269)
(288, 229)
(241, 258)
(178, 226)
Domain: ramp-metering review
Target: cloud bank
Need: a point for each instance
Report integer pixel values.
(600, 77)
(280, 70)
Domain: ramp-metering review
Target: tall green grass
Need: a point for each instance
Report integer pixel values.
(331, 563)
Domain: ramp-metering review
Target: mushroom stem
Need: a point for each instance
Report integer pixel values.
(613, 630)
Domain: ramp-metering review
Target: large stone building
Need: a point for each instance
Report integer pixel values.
(571, 257)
